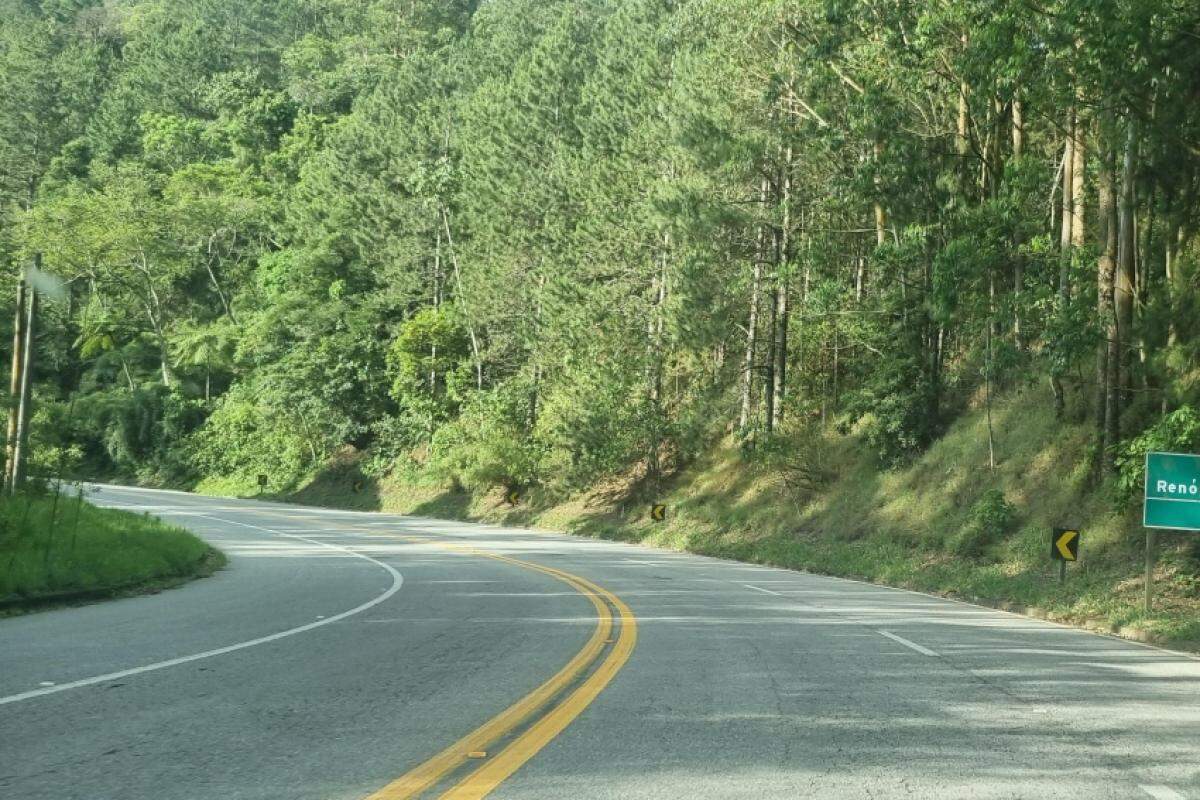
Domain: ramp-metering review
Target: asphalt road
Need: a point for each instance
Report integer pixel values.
(343, 656)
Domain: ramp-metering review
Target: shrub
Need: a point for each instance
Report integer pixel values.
(133, 434)
(801, 461)
(1178, 431)
(246, 435)
(990, 519)
(486, 445)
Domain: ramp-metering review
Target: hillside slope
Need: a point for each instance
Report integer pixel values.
(818, 501)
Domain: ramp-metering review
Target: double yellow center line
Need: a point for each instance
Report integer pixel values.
(543, 713)
(548, 719)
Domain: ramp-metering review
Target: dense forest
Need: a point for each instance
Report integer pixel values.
(524, 242)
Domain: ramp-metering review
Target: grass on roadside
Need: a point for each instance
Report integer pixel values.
(69, 549)
(946, 523)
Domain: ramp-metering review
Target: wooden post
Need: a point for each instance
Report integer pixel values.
(14, 389)
(1150, 536)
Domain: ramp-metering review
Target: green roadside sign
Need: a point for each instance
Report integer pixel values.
(1172, 491)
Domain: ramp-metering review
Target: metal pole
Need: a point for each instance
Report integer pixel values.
(1150, 535)
(1062, 571)
(26, 388)
(14, 389)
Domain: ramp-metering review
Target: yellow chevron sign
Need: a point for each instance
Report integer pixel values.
(1064, 544)
(658, 512)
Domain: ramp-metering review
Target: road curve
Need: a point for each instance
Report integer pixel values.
(342, 654)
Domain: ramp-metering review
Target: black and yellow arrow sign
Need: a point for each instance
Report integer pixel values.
(1064, 544)
(658, 512)
(513, 496)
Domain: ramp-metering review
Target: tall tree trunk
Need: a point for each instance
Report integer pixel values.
(779, 373)
(1068, 212)
(1079, 145)
(1106, 412)
(1018, 265)
(14, 391)
(1018, 128)
(1126, 246)
(836, 399)
(962, 141)
(164, 360)
(655, 327)
(21, 451)
(212, 277)
(772, 319)
(535, 392)
(880, 211)
(751, 351)
(769, 361)
(437, 303)
(461, 297)
(1067, 218)
(782, 266)
(750, 357)
(1175, 287)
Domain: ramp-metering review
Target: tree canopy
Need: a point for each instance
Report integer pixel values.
(548, 241)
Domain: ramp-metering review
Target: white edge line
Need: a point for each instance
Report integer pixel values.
(1161, 792)
(760, 589)
(910, 645)
(397, 581)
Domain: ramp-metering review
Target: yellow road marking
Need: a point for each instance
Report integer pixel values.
(421, 777)
(481, 782)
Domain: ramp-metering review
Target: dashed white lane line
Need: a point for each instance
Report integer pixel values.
(1162, 792)
(760, 589)
(911, 645)
(397, 581)
(888, 634)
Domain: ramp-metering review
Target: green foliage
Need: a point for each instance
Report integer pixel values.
(139, 434)
(1176, 432)
(430, 347)
(990, 520)
(486, 445)
(245, 437)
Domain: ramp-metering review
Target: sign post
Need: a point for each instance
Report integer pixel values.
(1150, 543)
(1172, 502)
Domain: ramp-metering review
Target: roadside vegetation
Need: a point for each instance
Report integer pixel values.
(69, 550)
(882, 289)
(945, 523)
